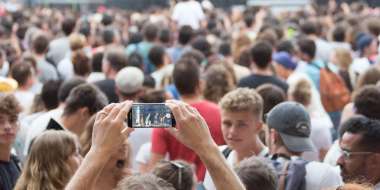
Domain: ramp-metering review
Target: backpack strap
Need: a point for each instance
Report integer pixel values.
(226, 152)
(284, 173)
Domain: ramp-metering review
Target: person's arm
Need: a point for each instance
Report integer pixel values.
(108, 136)
(192, 130)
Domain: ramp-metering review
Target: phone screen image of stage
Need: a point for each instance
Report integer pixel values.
(151, 116)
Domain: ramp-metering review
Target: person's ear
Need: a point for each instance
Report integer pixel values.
(84, 112)
(259, 126)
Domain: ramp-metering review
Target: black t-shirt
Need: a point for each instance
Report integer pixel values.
(9, 173)
(108, 87)
(253, 81)
(54, 125)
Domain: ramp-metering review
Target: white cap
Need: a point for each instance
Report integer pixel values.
(129, 80)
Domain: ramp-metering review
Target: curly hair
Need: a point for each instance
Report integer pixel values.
(219, 81)
(243, 99)
(9, 105)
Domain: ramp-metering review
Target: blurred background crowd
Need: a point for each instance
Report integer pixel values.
(64, 62)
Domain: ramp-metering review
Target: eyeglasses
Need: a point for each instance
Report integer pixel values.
(348, 154)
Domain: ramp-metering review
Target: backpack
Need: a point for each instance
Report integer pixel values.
(334, 93)
(291, 174)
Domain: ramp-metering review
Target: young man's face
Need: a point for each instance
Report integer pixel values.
(240, 129)
(8, 129)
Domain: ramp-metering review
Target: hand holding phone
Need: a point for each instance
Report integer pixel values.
(150, 115)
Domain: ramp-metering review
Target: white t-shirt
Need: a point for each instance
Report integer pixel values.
(188, 13)
(95, 77)
(320, 175)
(158, 75)
(39, 125)
(144, 154)
(333, 154)
(323, 51)
(25, 98)
(320, 136)
(136, 140)
(231, 161)
(240, 71)
(360, 65)
(65, 67)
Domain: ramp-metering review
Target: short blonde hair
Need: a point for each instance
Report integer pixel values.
(77, 41)
(243, 99)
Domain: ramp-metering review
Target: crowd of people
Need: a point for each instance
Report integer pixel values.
(262, 100)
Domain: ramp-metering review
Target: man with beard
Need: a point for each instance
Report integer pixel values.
(360, 151)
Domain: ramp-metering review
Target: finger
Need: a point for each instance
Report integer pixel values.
(109, 107)
(127, 131)
(190, 110)
(100, 116)
(115, 110)
(123, 113)
(173, 131)
(176, 110)
(104, 112)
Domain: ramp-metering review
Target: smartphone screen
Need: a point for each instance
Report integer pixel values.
(150, 115)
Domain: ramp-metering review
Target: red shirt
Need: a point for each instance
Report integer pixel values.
(163, 142)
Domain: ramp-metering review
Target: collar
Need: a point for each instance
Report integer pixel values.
(264, 152)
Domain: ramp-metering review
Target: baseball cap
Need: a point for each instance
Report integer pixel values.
(292, 122)
(363, 41)
(129, 80)
(285, 59)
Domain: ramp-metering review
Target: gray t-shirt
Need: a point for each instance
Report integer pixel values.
(46, 71)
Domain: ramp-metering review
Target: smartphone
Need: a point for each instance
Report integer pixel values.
(150, 115)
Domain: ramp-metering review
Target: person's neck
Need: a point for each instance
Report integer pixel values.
(39, 56)
(24, 88)
(73, 124)
(265, 72)
(159, 67)
(191, 98)
(111, 75)
(313, 36)
(5, 152)
(251, 151)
